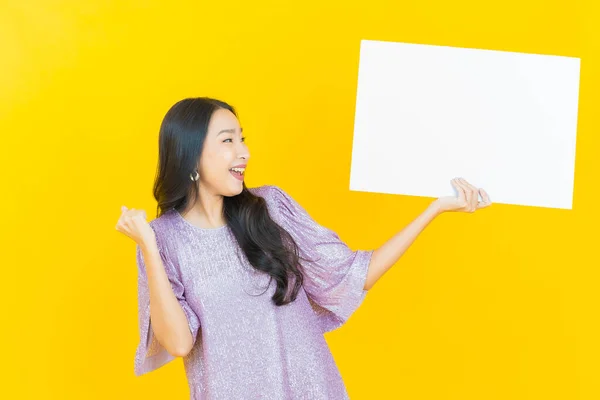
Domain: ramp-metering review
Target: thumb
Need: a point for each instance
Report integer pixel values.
(123, 209)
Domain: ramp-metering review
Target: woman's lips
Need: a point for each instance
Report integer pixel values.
(237, 176)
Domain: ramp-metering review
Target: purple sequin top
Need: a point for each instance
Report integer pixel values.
(245, 346)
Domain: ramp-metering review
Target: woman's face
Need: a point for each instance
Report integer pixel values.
(224, 149)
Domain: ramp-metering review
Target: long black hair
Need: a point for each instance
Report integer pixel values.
(267, 246)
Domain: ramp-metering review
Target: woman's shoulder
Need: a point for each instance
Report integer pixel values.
(269, 192)
(274, 196)
(262, 191)
(164, 226)
(164, 221)
(280, 202)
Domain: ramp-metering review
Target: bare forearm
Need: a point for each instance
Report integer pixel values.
(390, 252)
(169, 322)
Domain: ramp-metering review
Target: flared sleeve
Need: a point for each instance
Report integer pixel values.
(334, 275)
(150, 354)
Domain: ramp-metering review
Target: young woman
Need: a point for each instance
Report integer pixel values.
(241, 282)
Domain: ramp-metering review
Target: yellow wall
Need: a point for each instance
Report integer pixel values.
(501, 304)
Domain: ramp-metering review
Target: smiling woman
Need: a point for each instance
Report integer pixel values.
(215, 242)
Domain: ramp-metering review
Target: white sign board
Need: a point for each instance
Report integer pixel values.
(503, 121)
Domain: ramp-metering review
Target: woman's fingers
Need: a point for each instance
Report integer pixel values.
(462, 197)
(468, 193)
(133, 224)
(125, 212)
(473, 194)
(468, 197)
(486, 199)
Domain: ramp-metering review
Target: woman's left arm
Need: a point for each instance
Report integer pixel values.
(390, 252)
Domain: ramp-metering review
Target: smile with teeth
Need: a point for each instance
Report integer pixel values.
(238, 171)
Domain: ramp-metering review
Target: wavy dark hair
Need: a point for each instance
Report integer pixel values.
(267, 246)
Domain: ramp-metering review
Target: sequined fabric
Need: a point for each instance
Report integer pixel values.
(245, 346)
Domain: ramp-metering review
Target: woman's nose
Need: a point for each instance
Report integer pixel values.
(244, 152)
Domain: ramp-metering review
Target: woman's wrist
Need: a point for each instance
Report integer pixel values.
(149, 245)
(437, 207)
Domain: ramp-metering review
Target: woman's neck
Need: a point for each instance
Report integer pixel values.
(207, 212)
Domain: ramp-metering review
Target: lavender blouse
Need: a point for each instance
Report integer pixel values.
(245, 346)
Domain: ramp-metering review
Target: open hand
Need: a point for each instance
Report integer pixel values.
(467, 199)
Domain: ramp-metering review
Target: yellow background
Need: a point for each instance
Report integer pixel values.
(500, 304)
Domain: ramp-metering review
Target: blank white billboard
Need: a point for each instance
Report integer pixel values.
(504, 121)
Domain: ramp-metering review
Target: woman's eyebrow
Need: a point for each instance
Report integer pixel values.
(230, 131)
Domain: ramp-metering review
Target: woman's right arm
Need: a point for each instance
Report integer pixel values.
(168, 320)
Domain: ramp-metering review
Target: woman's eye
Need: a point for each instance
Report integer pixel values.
(243, 139)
